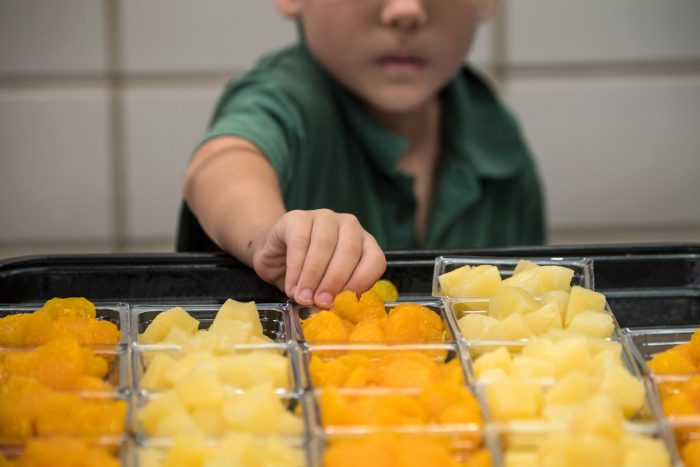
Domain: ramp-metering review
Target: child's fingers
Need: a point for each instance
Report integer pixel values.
(324, 238)
(346, 256)
(296, 238)
(370, 268)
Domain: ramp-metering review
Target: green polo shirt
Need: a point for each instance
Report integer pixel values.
(329, 153)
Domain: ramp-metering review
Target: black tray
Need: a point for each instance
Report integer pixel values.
(646, 285)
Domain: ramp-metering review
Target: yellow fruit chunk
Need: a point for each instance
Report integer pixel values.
(245, 312)
(162, 324)
(514, 399)
(592, 323)
(497, 359)
(642, 450)
(543, 319)
(386, 290)
(510, 300)
(467, 281)
(476, 326)
(582, 299)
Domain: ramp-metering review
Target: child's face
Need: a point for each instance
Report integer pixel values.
(396, 55)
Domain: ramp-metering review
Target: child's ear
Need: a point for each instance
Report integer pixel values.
(289, 8)
(487, 8)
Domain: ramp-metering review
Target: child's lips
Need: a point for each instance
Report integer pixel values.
(401, 65)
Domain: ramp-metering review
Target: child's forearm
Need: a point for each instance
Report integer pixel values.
(311, 255)
(234, 193)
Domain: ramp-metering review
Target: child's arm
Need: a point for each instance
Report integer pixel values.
(311, 255)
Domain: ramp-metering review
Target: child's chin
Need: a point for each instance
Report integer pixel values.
(399, 100)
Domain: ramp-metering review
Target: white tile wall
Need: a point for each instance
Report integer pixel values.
(615, 152)
(162, 129)
(595, 31)
(619, 149)
(46, 36)
(202, 35)
(55, 181)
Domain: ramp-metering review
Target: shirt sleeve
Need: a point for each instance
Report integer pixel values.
(262, 113)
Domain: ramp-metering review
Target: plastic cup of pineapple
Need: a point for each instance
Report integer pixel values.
(594, 437)
(239, 324)
(230, 449)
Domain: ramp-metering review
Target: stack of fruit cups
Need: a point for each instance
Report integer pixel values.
(63, 384)
(217, 386)
(671, 358)
(388, 385)
(547, 357)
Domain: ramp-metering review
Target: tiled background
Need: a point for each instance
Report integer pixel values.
(102, 101)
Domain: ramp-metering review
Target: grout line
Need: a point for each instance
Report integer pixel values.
(116, 129)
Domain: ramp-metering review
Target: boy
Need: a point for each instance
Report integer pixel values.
(372, 114)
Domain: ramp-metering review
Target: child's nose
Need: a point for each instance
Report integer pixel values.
(404, 14)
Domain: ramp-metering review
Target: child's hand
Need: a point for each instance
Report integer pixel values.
(314, 255)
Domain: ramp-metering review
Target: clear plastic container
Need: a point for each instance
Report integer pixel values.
(273, 317)
(239, 367)
(300, 313)
(582, 267)
(116, 313)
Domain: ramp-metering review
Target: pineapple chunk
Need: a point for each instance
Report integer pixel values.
(200, 387)
(543, 319)
(260, 411)
(524, 265)
(571, 354)
(248, 370)
(209, 420)
(558, 297)
(164, 322)
(555, 278)
(177, 422)
(499, 358)
(570, 390)
(593, 323)
(600, 416)
(624, 389)
(511, 300)
(528, 367)
(186, 451)
(154, 377)
(246, 312)
(514, 399)
(580, 300)
(527, 280)
(231, 331)
(520, 458)
(479, 281)
(476, 326)
(585, 450)
(511, 328)
(643, 451)
(157, 409)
